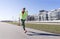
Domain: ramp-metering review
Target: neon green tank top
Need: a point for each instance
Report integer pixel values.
(24, 16)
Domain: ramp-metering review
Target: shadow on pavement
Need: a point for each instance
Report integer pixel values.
(39, 34)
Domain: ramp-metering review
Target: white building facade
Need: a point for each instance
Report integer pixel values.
(54, 14)
(46, 15)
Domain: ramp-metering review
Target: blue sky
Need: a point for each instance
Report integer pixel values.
(9, 9)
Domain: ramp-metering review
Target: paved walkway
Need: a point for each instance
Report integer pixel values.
(9, 31)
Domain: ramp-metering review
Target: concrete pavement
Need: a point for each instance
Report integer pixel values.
(9, 31)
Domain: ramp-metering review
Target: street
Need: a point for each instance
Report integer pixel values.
(9, 31)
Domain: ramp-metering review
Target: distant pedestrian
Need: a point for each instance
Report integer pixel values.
(23, 16)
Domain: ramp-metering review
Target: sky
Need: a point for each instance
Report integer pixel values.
(10, 9)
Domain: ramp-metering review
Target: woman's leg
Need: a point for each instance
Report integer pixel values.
(23, 23)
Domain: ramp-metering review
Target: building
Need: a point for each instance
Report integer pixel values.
(54, 14)
(45, 15)
(49, 15)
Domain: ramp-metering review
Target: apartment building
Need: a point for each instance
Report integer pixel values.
(46, 15)
(54, 14)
